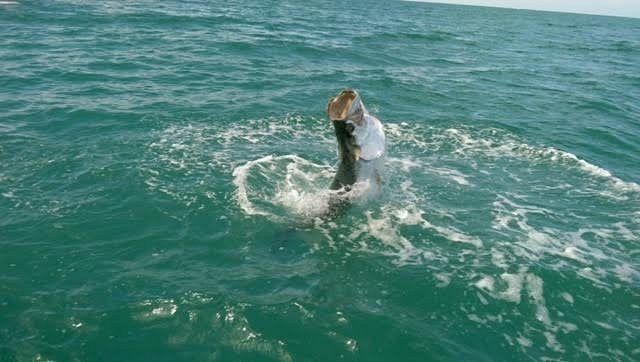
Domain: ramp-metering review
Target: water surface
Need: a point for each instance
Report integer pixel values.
(157, 158)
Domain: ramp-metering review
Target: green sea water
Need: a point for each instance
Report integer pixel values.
(161, 164)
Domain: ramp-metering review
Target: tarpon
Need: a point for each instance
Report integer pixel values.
(361, 144)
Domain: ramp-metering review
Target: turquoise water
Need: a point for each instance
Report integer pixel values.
(161, 164)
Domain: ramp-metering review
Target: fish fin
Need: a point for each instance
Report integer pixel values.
(357, 152)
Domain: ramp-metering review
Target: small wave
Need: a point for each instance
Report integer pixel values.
(452, 174)
(469, 145)
(227, 321)
(624, 46)
(584, 247)
(433, 36)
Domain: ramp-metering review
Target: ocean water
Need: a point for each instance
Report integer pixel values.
(161, 165)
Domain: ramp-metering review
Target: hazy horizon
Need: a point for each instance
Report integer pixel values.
(624, 8)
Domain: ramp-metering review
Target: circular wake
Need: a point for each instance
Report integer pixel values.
(282, 186)
(483, 191)
(467, 206)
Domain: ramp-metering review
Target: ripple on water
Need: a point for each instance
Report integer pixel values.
(414, 227)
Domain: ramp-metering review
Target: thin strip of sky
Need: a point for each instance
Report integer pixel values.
(627, 8)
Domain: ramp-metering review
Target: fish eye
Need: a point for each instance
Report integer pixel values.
(350, 127)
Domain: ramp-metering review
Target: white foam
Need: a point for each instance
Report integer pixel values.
(597, 171)
(498, 258)
(534, 242)
(534, 288)
(524, 342)
(552, 342)
(240, 174)
(384, 230)
(594, 275)
(475, 318)
(409, 216)
(511, 148)
(404, 164)
(403, 133)
(567, 327)
(443, 279)
(292, 185)
(567, 297)
(514, 287)
(156, 309)
(308, 204)
(351, 344)
(486, 283)
(625, 272)
(300, 192)
(454, 175)
(625, 232)
(482, 299)
(237, 334)
(574, 253)
(415, 217)
(191, 151)
(455, 235)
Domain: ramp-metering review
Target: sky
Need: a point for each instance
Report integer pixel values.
(628, 8)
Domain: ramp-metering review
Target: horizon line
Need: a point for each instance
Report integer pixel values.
(635, 17)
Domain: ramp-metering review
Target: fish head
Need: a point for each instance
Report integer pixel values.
(346, 112)
(347, 105)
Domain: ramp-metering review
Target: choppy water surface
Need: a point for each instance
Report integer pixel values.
(162, 164)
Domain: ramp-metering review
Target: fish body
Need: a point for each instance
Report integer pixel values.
(361, 147)
(348, 156)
